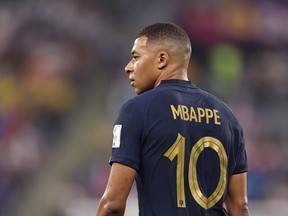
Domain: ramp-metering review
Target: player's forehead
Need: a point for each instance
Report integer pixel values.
(140, 45)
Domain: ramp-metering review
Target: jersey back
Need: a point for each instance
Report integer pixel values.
(185, 144)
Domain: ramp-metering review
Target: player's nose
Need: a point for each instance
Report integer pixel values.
(129, 68)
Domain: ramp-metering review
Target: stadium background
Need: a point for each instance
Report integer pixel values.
(62, 83)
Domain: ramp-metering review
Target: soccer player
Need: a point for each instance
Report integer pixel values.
(182, 145)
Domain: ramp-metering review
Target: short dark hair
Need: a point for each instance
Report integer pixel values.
(164, 31)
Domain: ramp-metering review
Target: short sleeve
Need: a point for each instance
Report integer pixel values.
(241, 157)
(127, 135)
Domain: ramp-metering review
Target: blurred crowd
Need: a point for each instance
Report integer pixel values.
(52, 52)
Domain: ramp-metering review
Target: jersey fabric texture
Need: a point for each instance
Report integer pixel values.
(184, 144)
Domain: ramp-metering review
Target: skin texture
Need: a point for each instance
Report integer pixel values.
(152, 62)
(236, 200)
(119, 184)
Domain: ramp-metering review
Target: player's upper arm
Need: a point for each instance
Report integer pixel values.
(120, 181)
(236, 200)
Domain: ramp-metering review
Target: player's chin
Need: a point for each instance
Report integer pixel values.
(139, 91)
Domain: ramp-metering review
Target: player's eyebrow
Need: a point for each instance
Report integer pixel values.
(133, 52)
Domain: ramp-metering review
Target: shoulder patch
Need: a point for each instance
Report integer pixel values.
(116, 136)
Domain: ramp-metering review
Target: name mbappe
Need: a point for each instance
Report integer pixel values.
(197, 114)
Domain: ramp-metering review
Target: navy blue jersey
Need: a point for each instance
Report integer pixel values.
(185, 144)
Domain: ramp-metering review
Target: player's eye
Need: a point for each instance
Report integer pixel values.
(135, 57)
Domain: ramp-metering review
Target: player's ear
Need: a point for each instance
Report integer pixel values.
(163, 59)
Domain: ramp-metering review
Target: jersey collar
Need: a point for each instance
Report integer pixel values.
(177, 82)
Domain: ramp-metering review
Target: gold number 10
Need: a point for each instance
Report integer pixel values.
(178, 149)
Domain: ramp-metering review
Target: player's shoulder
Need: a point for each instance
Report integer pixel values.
(143, 100)
(214, 99)
(221, 105)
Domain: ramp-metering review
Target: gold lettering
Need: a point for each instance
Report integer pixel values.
(177, 112)
(216, 117)
(193, 115)
(185, 113)
(201, 113)
(198, 148)
(209, 114)
(178, 150)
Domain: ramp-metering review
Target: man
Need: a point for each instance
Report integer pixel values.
(183, 146)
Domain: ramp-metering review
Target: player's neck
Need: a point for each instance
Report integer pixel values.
(175, 74)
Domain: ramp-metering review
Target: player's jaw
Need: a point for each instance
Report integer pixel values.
(138, 90)
(141, 85)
